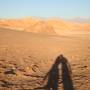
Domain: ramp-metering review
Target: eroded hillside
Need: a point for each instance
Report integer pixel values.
(45, 26)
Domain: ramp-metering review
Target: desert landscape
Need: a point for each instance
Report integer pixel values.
(29, 49)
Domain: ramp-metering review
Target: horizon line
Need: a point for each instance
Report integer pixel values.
(42, 17)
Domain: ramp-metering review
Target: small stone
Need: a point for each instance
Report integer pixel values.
(11, 71)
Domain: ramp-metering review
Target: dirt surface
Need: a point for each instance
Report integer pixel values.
(25, 59)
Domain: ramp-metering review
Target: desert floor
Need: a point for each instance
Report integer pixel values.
(25, 58)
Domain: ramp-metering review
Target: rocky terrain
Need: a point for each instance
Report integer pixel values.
(26, 57)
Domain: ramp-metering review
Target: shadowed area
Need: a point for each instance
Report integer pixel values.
(66, 74)
(54, 75)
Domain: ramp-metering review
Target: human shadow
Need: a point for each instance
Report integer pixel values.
(54, 74)
(66, 74)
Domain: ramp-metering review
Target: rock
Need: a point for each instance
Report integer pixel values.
(10, 71)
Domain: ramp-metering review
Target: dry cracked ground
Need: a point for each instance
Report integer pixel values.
(25, 59)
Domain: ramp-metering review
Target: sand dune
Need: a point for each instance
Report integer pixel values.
(25, 58)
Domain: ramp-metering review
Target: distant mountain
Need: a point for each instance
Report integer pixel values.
(45, 26)
(68, 25)
(41, 27)
(81, 20)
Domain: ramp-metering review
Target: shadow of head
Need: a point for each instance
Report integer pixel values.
(60, 59)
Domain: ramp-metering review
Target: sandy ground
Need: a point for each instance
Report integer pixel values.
(25, 58)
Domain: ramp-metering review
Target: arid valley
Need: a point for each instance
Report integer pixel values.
(29, 48)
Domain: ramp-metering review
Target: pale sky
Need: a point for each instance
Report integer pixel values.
(44, 8)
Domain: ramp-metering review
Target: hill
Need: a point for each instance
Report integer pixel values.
(44, 26)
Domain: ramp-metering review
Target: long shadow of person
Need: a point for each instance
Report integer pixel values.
(66, 74)
(53, 75)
